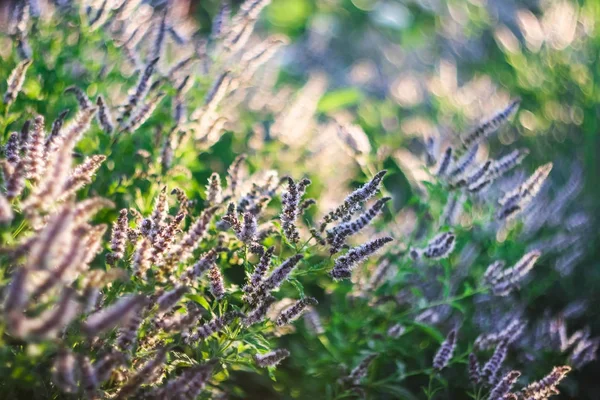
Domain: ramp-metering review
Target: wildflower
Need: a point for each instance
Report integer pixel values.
(474, 371)
(259, 272)
(505, 281)
(168, 149)
(82, 99)
(24, 137)
(71, 262)
(515, 201)
(127, 334)
(162, 243)
(178, 322)
(444, 354)
(91, 296)
(508, 334)
(290, 200)
(243, 24)
(211, 327)
(395, 331)
(313, 322)
(49, 323)
(21, 18)
(265, 231)
(354, 139)
(167, 300)
(475, 179)
(547, 385)
(444, 162)
(306, 204)
(252, 60)
(340, 273)
(271, 358)
(117, 313)
(362, 194)
(452, 210)
(247, 232)
(11, 149)
(141, 257)
(142, 114)
(493, 270)
(23, 48)
(82, 175)
(63, 371)
(83, 210)
(51, 184)
(213, 190)
(179, 109)
(233, 174)
(488, 127)
(183, 249)
(6, 213)
(16, 181)
(55, 133)
(119, 237)
(16, 298)
(430, 151)
(15, 81)
(35, 150)
(380, 274)
(280, 274)
(360, 371)
(259, 196)
(6, 170)
(179, 66)
(76, 129)
(89, 379)
(140, 91)
(144, 374)
(256, 248)
(294, 311)
(201, 266)
(503, 387)
(104, 366)
(259, 312)
(358, 254)
(159, 212)
(104, 117)
(193, 383)
(216, 282)
(506, 163)
(51, 240)
(182, 199)
(93, 242)
(160, 36)
(220, 22)
(463, 163)
(439, 247)
(342, 231)
(584, 352)
(490, 369)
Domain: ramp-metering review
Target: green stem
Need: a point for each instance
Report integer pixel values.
(429, 387)
(447, 301)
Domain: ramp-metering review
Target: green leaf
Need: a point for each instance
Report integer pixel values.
(431, 331)
(339, 99)
(200, 300)
(296, 283)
